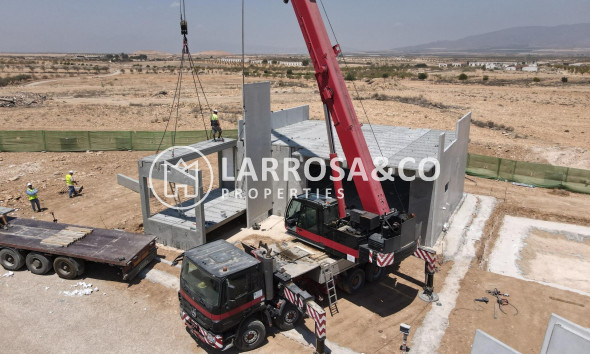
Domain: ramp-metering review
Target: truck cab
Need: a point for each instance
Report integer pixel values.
(220, 286)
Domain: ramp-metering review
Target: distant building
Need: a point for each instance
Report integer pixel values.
(442, 65)
(291, 63)
(510, 68)
(533, 68)
(457, 65)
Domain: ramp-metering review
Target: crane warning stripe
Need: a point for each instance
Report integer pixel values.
(327, 242)
(319, 319)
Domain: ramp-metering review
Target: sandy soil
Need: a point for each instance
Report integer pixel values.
(548, 121)
(525, 331)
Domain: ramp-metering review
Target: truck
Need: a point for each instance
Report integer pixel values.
(228, 296)
(43, 246)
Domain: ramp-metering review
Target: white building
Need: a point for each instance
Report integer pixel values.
(442, 65)
(291, 63)
(457, 65)
(510, 68)
(531, 68)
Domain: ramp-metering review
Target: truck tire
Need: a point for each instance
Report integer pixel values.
(374, 274)
(289, 318)
(68, 268)
(354, 281)
(37, 263)
(11, 259)
(250, 335)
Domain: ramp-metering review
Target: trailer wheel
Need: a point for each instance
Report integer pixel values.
(354, 281)
(373, 273)
(250, 335)
(37, 263)
(68, 268)
(289, 318)
(11, 259)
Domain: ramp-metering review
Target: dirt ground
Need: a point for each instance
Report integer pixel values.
(550, 124)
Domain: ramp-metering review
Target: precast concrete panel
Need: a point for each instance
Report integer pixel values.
(483, 343)
(289, 116)
(564, 336)
(257, 133)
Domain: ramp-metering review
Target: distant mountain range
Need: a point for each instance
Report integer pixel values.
(542, 39)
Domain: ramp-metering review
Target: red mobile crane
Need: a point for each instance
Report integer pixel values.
(228, 297)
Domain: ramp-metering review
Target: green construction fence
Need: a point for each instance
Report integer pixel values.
(72, 141)
(539, 175)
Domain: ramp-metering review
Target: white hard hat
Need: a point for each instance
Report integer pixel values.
(29, 184)
(71, 171)
(214, 111)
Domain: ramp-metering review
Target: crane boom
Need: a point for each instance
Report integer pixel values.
(335, 96)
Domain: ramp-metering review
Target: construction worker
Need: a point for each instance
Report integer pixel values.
(215, 127)
(32, 194)
(70, 182)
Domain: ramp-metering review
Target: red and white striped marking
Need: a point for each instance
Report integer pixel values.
(319, 317)
(290, 296)
(428, 257)
(300, 302)
(202, 333)
(383, 259)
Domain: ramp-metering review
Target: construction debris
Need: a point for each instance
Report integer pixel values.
(22, 99)
(9, 274)
(85, 289)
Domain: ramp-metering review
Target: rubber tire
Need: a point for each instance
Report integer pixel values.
(43, 268)
(285, 321)
(250, 325)
(16, 262)
(356, 275)
(374, 274)
(68, 268)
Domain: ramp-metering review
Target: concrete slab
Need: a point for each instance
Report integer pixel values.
(549, 253)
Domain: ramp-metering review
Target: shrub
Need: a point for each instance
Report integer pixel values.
(536, 79)
(289, 71)
(422, 76)
(385, 75)
(463, 76)
(486, 78)
(350, 77)
(421, 65)
(564, 79)
(305, 62)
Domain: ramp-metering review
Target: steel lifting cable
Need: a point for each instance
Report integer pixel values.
(177, 92)
(360, 99)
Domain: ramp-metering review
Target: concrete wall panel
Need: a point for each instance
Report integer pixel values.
(257, 135)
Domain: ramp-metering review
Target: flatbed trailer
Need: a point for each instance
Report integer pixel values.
(25, 242)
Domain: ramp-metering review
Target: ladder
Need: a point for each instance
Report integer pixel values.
(177, 200)
(330, 287)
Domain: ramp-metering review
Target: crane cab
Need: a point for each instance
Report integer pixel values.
(313, 218)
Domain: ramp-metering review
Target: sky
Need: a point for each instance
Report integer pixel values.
(113, 26)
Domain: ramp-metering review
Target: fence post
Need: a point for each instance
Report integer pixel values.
(89, 144)
(130, 140)
(44, 140)
(498, 169)
(567, 173)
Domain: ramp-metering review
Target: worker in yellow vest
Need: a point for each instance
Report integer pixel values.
(70, 182)
(215, 127)
(33, 198)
